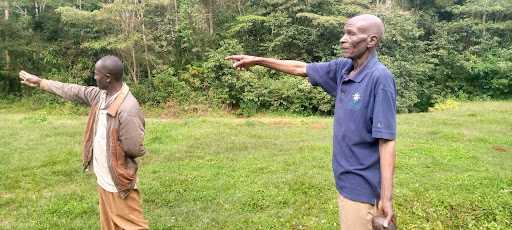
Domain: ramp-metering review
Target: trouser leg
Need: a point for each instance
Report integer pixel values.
(118, 213)
(355, 215)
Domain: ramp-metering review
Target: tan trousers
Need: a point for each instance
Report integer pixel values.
(118, 213)
(355, 215)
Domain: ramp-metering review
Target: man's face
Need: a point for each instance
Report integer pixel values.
(355, 40)
(101, 77)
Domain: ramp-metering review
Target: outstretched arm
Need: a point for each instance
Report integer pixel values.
(387, 151)
(77, 93)
(244, 62)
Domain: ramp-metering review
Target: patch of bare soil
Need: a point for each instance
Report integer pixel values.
(281, 123)
(500, 149)
(318, 127)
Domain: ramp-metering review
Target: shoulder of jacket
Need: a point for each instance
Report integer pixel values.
(130, 106)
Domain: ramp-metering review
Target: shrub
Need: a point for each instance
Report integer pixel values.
(445, 105)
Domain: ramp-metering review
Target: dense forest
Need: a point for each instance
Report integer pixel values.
(173, 50)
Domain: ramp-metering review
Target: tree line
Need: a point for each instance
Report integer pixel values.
(173, 50)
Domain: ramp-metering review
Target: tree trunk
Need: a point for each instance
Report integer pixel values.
(484, 18)
(210, 15)
(388, 4)
(7, 61)
(177, 13)
(7, 12)
(134, 71)
(7, 68)
(41, 7)
(7, 58)
(140, 16)
(36, 8)
(146, 50)
(484, 21)
(240, 8)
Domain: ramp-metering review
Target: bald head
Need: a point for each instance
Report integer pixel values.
(361, 37)
(111, 65)
(370, 24)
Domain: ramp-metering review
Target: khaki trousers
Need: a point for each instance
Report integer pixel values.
(118, 213)
(355, 215)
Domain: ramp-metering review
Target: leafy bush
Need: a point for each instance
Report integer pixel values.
(399, 52)
(260, 89)
(492, 74)
(445, 105)
(162, 88)
(297, 95)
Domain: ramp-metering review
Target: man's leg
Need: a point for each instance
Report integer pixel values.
(118, 213)
(355, 215)
(105, 220)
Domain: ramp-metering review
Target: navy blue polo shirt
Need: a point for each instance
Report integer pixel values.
(365, 111)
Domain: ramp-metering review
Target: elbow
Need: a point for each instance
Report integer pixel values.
(300, 72)
(135, 151)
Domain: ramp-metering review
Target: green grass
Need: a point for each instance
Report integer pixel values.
(261, 173)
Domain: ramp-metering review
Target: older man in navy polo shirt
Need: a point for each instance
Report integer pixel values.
(364, 152)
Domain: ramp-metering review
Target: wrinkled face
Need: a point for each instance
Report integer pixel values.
(355, 40)
(102, 79)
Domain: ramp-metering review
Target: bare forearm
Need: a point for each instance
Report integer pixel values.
(293, 67)
(387, 166)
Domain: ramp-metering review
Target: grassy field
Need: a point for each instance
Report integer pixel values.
(454, 171)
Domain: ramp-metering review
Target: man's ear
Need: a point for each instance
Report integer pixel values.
(372, 41)
(108, 77)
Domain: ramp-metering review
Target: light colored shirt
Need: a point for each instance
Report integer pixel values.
(100, 146)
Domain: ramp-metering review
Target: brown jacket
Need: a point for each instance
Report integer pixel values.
(125, 130)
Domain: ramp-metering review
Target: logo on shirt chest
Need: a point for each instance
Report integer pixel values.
(354, 102)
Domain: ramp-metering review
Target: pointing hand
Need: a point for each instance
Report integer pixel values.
(242, 62)
(29, 79)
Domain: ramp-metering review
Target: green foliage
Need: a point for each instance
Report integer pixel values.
(163, 88)
(224, 82)
(260, 89)
(445, 105)
(173, 50)
(399, 52)
(40, 117)
(492, 73)
(469, 64)
(296, 95)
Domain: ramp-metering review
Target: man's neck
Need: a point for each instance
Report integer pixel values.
(112, 90)
(359, 62)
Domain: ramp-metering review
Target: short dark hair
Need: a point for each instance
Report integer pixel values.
(112, 65)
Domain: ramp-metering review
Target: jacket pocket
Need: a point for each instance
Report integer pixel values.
(124, 171)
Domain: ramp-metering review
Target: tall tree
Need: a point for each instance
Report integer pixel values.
(118, 26)
(7, 58)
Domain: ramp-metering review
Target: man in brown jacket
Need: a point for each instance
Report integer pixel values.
(112, 142)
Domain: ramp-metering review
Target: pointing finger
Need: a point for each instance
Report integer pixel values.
(232, 57)
(22, 75)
